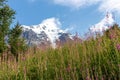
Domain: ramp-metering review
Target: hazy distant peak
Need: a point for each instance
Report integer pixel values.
(104, 24)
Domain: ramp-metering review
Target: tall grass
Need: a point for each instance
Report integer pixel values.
(93, 59)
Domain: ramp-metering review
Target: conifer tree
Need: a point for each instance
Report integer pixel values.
(16, 42)
(6, 17)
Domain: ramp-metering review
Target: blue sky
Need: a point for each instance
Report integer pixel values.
(76, 14)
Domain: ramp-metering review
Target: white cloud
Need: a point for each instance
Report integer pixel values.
(110, 5)
(76, 3)
(104, 5)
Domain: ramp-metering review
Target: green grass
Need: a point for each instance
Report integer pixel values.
(93, 59)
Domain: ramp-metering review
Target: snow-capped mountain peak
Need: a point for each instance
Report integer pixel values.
(104, 24)
(50, 27)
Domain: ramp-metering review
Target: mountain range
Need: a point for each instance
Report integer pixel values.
(48, 32)
(45, 33)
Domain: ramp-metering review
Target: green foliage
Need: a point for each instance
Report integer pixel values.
(6, 17)
(2, 2)
(93, 59)
(17, 44)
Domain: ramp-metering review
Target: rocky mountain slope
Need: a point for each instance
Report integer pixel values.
(45, 33)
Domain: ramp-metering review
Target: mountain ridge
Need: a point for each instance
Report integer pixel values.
(48, 31)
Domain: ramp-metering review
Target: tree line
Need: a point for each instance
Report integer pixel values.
(10, 38)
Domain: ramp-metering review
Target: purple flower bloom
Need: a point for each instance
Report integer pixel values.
(111, 36)
(118, 47)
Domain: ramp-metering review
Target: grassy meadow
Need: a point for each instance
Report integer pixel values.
(96, 58)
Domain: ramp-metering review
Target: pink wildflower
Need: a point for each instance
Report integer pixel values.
(118, 47)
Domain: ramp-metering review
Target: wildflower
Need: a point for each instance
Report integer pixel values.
(68, 69)
(88, 78)
(23, 58)
(118, 47)
(111, 36)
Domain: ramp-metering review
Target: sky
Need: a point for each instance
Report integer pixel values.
(75, 15)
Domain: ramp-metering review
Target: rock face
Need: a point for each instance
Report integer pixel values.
(46, 33)
(35, 39)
